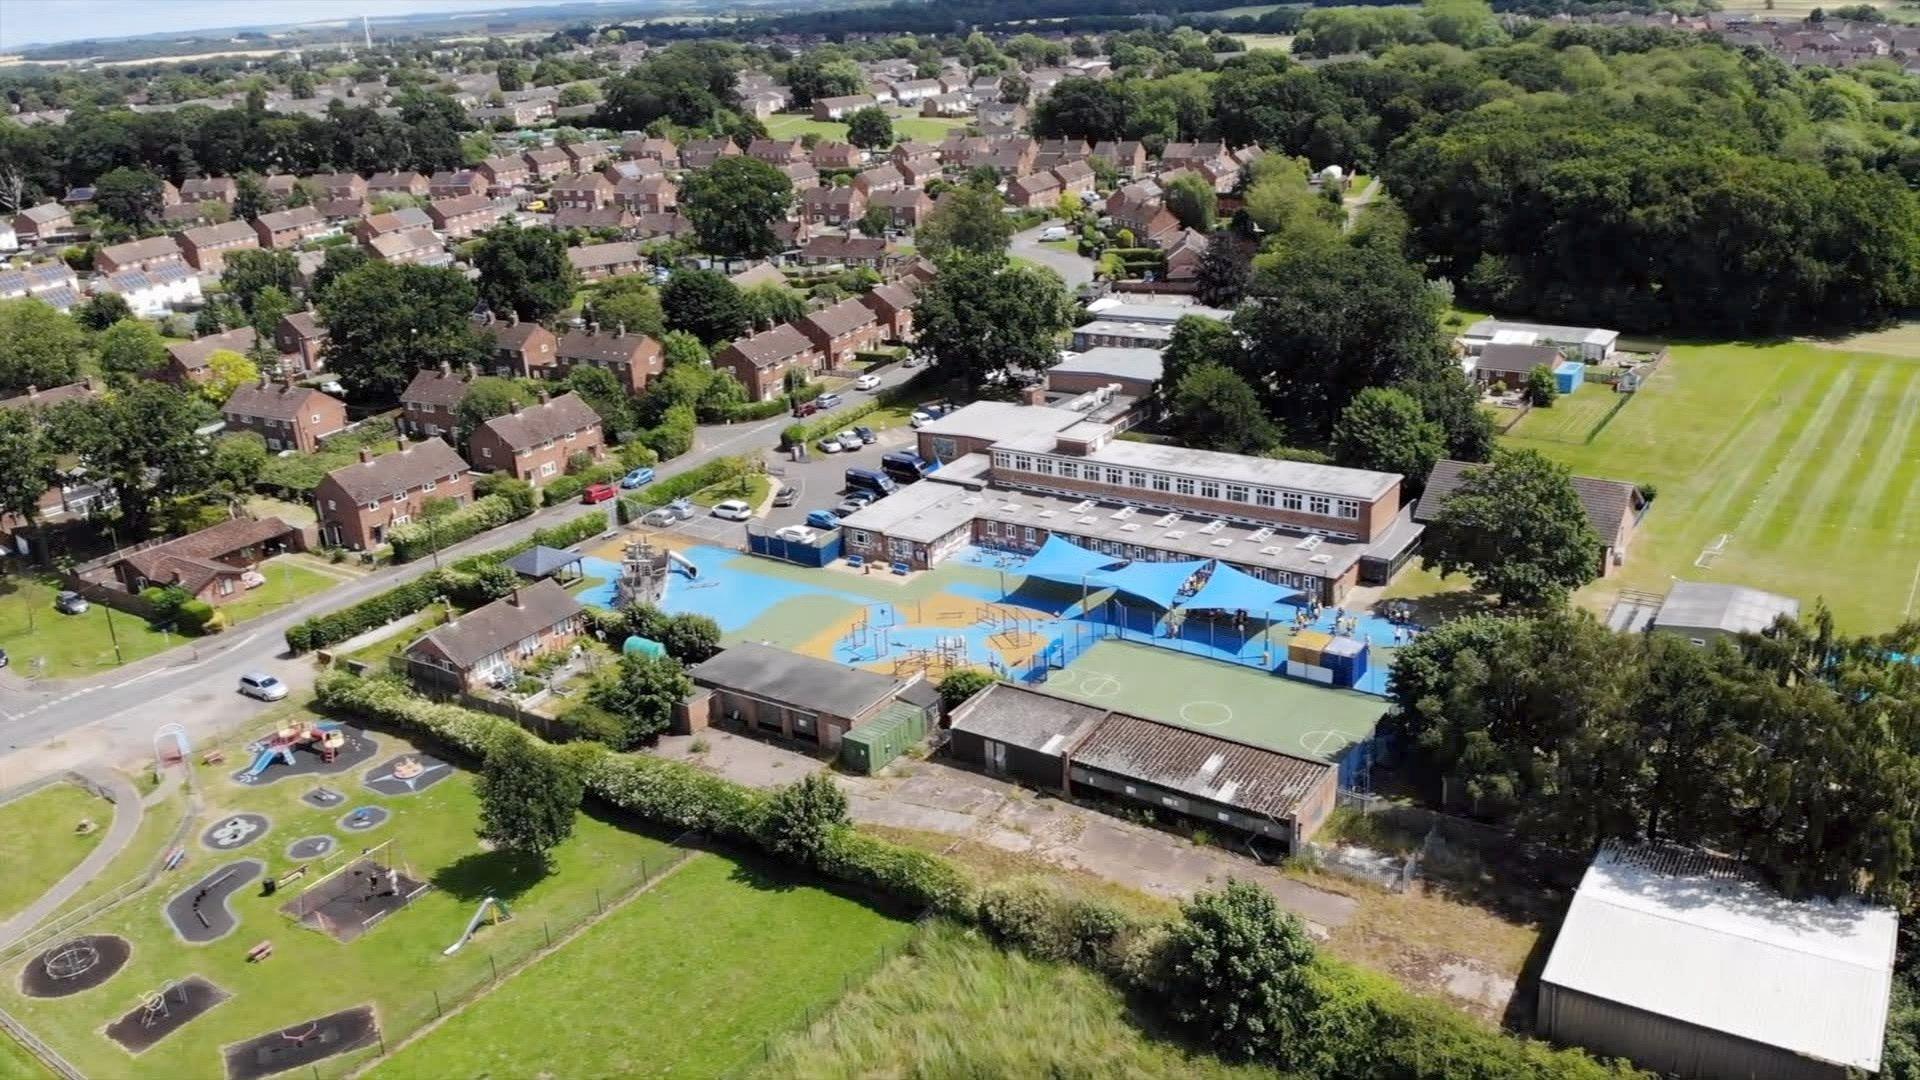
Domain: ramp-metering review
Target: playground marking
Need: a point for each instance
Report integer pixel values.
(1099, 684)
(1206, 719)
(1063, 677)
(1317, 742)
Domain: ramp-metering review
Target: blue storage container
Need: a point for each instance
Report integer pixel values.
(1569, 375)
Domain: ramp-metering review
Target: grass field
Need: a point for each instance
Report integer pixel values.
(1271, 42)
(690, 979)
(1806, 459)
(906, 125)
(287, 581)
(38, 843)
(149, 842)
(1571, 418)
(1901, 340)
(17, 1064)
(753, 488)
(397, 966)
(42, 642)
(955, 1005)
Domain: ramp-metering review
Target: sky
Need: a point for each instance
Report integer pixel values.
(43, 22)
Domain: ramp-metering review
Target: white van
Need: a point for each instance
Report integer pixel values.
(1055, 232)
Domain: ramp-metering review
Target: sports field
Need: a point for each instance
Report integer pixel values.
(1798, 463)
(906, 125)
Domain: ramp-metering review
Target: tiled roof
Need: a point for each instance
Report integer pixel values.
(403, 470)
(153, 247)
(1605, 501)
(227, 232)
(530, 610)
(192, 560)
(842, 318)
(770, 347)
(605, 346)
(274, 401)
(594, 256)
(193, 354)
(290, 219)
(436, 387)
(536, 424)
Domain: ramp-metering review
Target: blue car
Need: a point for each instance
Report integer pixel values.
(637, 478)
(823, 519)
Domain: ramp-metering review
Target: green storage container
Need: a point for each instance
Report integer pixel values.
(872, 746)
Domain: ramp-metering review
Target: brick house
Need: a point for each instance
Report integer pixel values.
(453, 183)
(588, 191)
(430, 405)
(547, 162)
(1037, 190)
(650, 148)
(832, 205)
(398, 183)
(340, 186)
(480, 648)
(1184, 255)
(300, 336)
(289, 417)
(418, 245)
(210, 565)
(634, 358)
(836, 108)
(653, 194)
(43, 224)
(137, 255)
(779, 694)
(919, 171)
(206, 248)
(594, 262)
(188, 362)
(590, 154)
(700, 153)
(504, 174)
(522, 349)
(209, 189)
(535, 442)
(279, 185)
(1075, 176)
(358, 503)
(892, 305)
(761, 362)
(342, 212)
(1128, 157)
(777, 151)
(607, 217)
(393, 221)
(869, 251)
(887, 177)
(833, 156)
(840, 331)
(462, 215)
(905, 208)
(283, 229)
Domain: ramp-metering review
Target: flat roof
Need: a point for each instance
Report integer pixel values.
(790, 678)
(1139, 331)
(1696, 938)
(1735, 609)
(1487, 328)
(1120, 362)
(997, 420)
(1167, 311)
(1027, 718)
(1363, 484)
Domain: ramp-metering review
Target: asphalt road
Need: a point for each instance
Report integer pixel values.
(47, 725)
(1073, 269)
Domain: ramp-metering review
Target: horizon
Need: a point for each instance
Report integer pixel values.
(28, 24)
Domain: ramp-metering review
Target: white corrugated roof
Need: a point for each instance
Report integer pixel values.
(1691, 938)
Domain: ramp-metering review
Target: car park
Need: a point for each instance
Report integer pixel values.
(867, 382)
(682, 509)
(827, 401)
(849, 507)
(639, 477)
(732, 510)
(70, 603)
(867, 437)
(259, 684)
(786, 496)
(904, 466)
(659, 519)
(823, 519)
(599, 493)
(869, 482)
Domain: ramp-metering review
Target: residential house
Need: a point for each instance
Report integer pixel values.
(342, 212)
(137, 255)
(616, 171)
(647, 195)
(590, 154)
(869, 251)
(908, 149)
(186, 215)
(420, 246)
(209, 189)
(398, 183)
(288, 416)
(1613, 507)
(42, 279)
(46, 223)
(885, 177)
(453, 183)
(906, 208)
(1052, 153)
(393, 221)
(832, 205)
(463, 215)
(761, 273)
(301, 340)
(836, 156)
(1509, 365)
(700, 153)
(282, 229)
(634, 358)
(1184, 255)
(547, 162)
(339, 186)
(520, 349)
(588, 191)
(607, 217)
(999, 117)
(279, 186)
(840, 331)
(430, 405)
(189, 362)
(1011, 159)
(504, 174)
(358, 504)
(150, 293)
(216, 565)
(206, 247)
(1075, 176)
(761, 362)
(777, 151)
(948, 105)
(1037, 190)
(892, 305)
(919, 170)
(764, 103)
(1160, 229)
(535, 442)
(597, 261)
(514, 114)
(650, 148)
(482, 647)
(838, 108)
(914, 91)
(1128, 157)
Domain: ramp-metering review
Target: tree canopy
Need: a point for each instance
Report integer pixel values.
(705, 304)
(966, 219)
(529, 797)
(1518, 529)
(984, 319)
(385, 323)
(524, 272)
(734, 205)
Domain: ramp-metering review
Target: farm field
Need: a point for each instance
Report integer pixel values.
(1805, 459)
(39, 844)
(691, 978)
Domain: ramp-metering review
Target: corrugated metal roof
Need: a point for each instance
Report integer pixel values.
(1694, 938)
(1201, 765)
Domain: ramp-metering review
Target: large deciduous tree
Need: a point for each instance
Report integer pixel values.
(129, 196)
(705, 304)
(1192, 200)
(29, 464)
(966, 219)
(1517, 528)
(385, 323)
(130, 349)
(870, 128)
(1215, 409)
(524, 272)
(983, 319)
(529, 797)
(1384, 429)
(39, 346)
(642, 694)
(629, 302)
(142, 441)
(1238, 975)
(734, 204)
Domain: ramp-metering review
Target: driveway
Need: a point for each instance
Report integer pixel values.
(1072, 268)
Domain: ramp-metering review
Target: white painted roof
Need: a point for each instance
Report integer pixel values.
(1694, 938)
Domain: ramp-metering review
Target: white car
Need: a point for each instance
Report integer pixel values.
(732, 510)
(850, 440)
(798, 534)
(259, 684)
(830, 445)
(866, 382)
(919, 417)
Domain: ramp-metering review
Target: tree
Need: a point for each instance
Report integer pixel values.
(875, 221)
(957, 686)
(1192, 200)
(1541, 390)
(822, 73)
(238, 461)
(511, 75)
(1383, 429)
(38, 345)
(1225, 267)
(773, 303)
(870, 128)
(681, 349)
(1197, 341)
(227, 372)
(630, 302)
(130, 349)
(128, 196)
(486, 398)
(1517, 528)
(524, 272)
(967, 219)
(29, 464)
(984, 319)
(642, 694)
(734, 204)
(692, 639)
(1238, 973)
(1215, 409)
(529, 797)
(802, 816)
(142, 441)
(247, 274)
(385, 323)
(334, 265)
(705, 304)
(103, 310)
(1015, 89)
(602, 392)
(250, 198)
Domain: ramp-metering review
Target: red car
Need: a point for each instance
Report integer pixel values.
(805, 408)
(599, 493)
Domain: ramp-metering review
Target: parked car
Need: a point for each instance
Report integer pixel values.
(866, 434)
(70, 603)
(912, 360)
(827, 401)
(682, 509)
(862, 497)
(823, 519)
(920, 417)
(798, 534)
(849, 507)
(732, 510)
(806, 408)
(866, 382)
(259, 684)
(332, 386)
(849, 439)
(599, 493)
(659, 519)
(829, 445)
(637, 478)
(786, 496)
(4, 659)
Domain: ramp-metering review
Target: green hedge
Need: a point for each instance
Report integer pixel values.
(662, 492)
(568, 488)
(836, 420)
(418, 539)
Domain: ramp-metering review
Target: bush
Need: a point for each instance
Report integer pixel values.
(562, 489)
(586, 722)
(662, 492)
(821, 427)
(1028, 913)
(195, 617)
(515, 490)
(416, 539)
(380, 609)
(567, 533)
(960, 685)
(802, 816)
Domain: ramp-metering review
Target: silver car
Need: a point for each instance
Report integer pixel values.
(259, 684)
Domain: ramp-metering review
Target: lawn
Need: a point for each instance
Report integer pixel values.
(1271, 42)
(42, 642)
(17, 1064)
(39, 844)
(1571, 419)
(1806, 459)
(287, 581)
(690, 979)
(753, 488)
(376, 654)
(149, 842)
(956, 1005)
(397, 966)
(906, 125)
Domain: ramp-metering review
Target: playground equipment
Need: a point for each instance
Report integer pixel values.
(683, 563)
(870, 630)
(489, 906)
(949, 654)
(174, 858)
(324, 738)
(170, 745)
(643, 573)
(72, 960)
(154, 1008)
(259, 952)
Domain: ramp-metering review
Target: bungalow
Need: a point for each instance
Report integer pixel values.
(283, 229)
(288, 416)
(1509, 365)
(504, 174)
(46, 223)
(339, 185)
(430, 405)
(1588, 344)
(412, 246)
(300, 336)
(647, 195)
(832, 205)
(358, 504)
(189, 362)
(588, 191)
(840, 331)
(463, 215)
(777, 151)
(869, 251)
(597, 261)
(398, 183)
(700, 153)
(634, 358)
(1614, 508)
(785, 695)
(480, 648)
(892, 305)
(906, 208)
(1037, 190)
(453, 183)
(151, 292)
(536, 442)
(761, 362)
(137, 254)
(836, 156)
(837, 108)
(521, 349)
(215, 565)
(206, 247)
(547, 162)
(209, 189)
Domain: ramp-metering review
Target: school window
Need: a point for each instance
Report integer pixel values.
(1262, 497)
(1002, 460)
(1043, 466)
(1023, 462)
(1289, 500)
(1161, 482)
(1236, 493)
(1069, 470)
(861, 539)
(1182, 485)
(1116, 477)
(990, 530)
(1346, 508)
(1209, 489)
(1319, 504)
(1030, 536)
(1136, 478)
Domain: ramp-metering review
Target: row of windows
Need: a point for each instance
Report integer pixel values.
(1141, 480)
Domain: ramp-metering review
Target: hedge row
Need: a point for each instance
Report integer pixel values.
(662, 492)
(837, 420)
(420, 538)
(1360, 1026)
(568, 488)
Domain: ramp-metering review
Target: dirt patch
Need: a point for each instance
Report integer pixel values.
(74, 965)
(202, 912)
(350, 902)
(407, 774)
(302, 1044)
(164, 1013)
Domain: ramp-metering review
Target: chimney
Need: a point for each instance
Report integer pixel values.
(1033, 395)
(366, 455)
(619, 330)
(593, 328)
(446, 369)
(32, 392)
(514, 408)
(513, 318)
